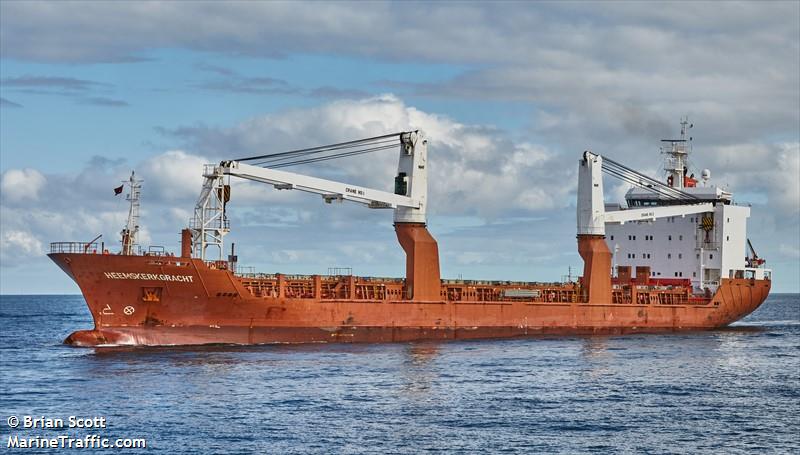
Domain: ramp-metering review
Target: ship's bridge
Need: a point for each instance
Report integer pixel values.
(644, 197)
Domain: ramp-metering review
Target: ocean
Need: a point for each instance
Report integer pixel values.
(735, 390)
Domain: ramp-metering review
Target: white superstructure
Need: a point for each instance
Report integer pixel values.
(701, 247)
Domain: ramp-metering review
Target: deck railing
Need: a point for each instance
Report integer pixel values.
(75, 247)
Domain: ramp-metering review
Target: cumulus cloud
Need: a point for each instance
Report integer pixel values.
(173, 175)
(473, 169)
(771, 169)
(19, 185)
(17, 246)
(35, 208)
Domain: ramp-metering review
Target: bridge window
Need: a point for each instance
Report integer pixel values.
(669, 255)
(612, 237)
(669, 238)
(680, 255)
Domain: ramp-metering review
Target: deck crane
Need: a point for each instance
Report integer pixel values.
(753, 260)
(592, 217)
(409, 200)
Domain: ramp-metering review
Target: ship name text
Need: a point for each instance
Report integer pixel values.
(355, 191)
(148, 276)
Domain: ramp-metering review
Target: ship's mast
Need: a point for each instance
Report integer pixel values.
(209, 225)
(677, 151)
(131, 229)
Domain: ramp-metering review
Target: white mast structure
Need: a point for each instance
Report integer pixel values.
(131, 230)
(677, 162)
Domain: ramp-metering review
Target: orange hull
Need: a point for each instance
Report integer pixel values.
(152, 300)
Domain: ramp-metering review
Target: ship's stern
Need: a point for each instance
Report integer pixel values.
(735, 298)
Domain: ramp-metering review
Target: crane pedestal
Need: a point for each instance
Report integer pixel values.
(186, 243)
(422, 261)
(596, 268)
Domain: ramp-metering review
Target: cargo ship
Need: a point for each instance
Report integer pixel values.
(675, 257)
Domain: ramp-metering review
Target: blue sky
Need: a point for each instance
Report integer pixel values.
(509, 93)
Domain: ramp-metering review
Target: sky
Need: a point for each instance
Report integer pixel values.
(508, 94)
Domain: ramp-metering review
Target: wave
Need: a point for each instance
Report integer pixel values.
(784, 322)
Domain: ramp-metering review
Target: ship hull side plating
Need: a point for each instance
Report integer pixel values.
(141, 300)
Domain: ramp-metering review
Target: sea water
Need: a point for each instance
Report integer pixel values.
(734, 390)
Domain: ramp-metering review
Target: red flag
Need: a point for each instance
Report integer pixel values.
(118, 189)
